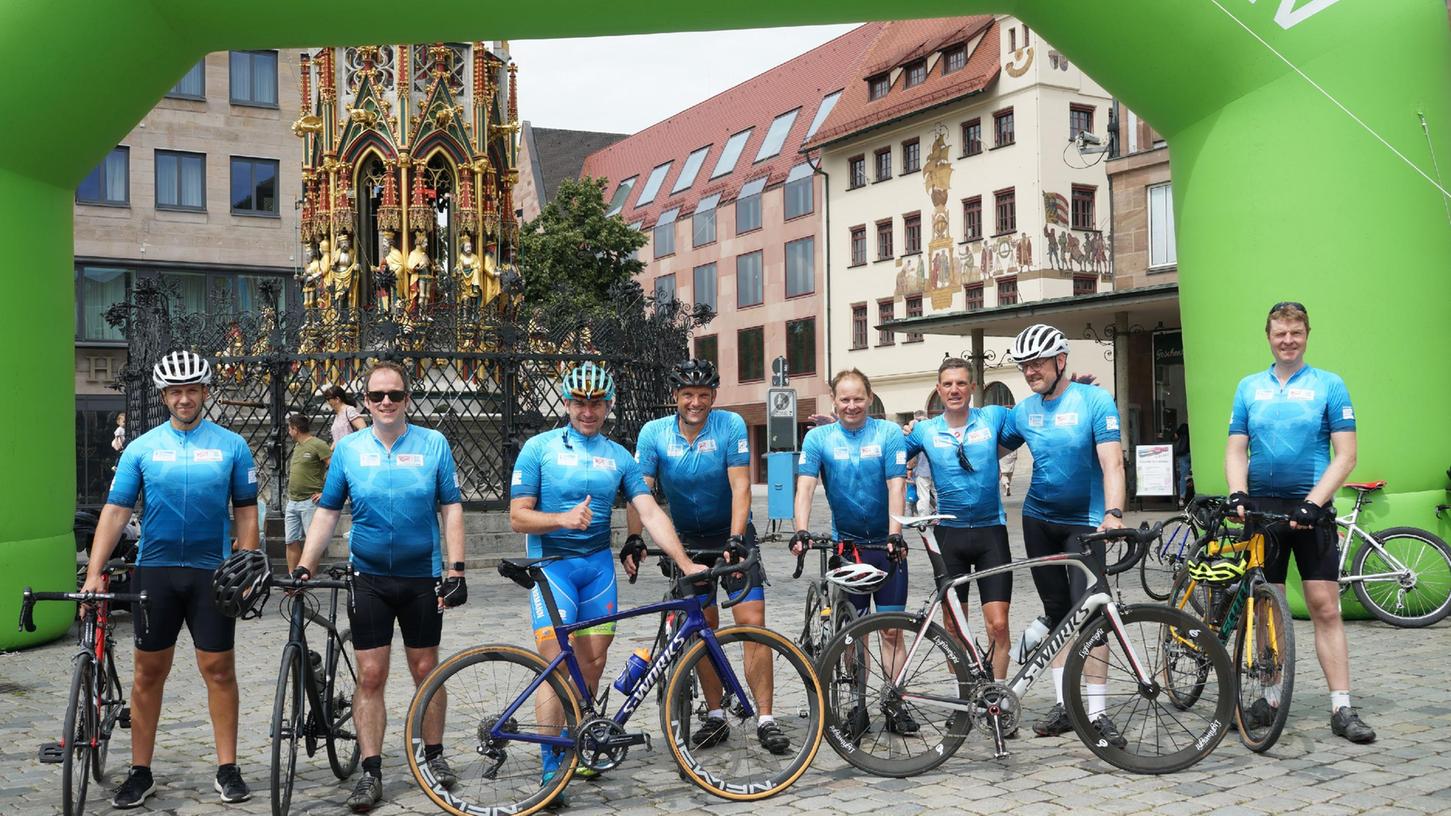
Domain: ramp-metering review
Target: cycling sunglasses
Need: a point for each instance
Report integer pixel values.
(962, 454)
(1290, 304)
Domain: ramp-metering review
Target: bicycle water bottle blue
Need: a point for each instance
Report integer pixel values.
(633, 670)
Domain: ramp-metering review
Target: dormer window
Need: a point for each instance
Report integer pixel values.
(878, 86)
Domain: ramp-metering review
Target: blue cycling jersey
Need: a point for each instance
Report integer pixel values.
(694, 474)
(559, 468)
(187, 478)
(395, 495)
(973, 497)
(1289, 428)
(1063, 435)
(854, 467)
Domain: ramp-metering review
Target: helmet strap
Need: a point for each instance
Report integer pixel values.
(1053, 389)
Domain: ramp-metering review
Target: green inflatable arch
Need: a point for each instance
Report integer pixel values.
(1305, 136)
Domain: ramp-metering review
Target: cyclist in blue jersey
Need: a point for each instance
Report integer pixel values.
(188, 469)
(399, 479)
(1072, 431)
(702, 459)
(961, 446)
(561, 494)
(1285, 423)
(862, 462)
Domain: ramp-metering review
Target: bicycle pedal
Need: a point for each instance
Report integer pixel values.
(52, 753)
(124, 720)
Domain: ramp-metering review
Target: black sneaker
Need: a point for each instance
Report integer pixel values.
(772, 738)
(438, 766)
(1346, 723)
(1109, 732)
(133, 792)
(900, 721)
(711, 733)
(1260, 715)
(858, 722)
(367, 793)
(230, 785)
(1055, 724)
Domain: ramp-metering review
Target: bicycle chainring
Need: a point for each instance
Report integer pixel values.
(990, 698)
(592, 744)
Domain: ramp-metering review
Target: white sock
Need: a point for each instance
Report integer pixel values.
(1058, 683)
(1272, 695)
(715, 713)
(762, 719)
(1339, 700)
(1097, 699)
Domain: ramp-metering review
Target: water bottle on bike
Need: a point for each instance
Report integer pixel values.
(633, 670)
(1032, 636)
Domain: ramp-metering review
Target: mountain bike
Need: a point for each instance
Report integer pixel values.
(96, 705)
(947, 687)
(1402, 575)
(314, 699)
(493, 726)
(828, 609)
(1167, 557)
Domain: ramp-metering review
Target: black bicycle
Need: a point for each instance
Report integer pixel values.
(828, 609)
(96, 705)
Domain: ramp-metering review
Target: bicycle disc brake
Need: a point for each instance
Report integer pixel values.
(603, 743)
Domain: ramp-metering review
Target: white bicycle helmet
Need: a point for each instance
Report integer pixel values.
(588, 381)
(1038, 341)
(858, 579)
(181, 368)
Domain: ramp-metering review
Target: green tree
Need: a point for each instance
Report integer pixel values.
(572, 255)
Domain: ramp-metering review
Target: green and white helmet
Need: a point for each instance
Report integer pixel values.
(588, 381)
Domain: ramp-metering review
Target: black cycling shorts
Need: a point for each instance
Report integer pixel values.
(972, 549)
(755, 577)
(176, 595)
(1316, 551)
(380, 600)
(1058, 587)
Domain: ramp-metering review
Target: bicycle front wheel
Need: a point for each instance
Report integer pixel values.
(496, 774)
(777, 679)
(109, 703)
(1264, 667)
(337, 701)
(80, 727)
(1406, 581)
(286, 728)
(1166, 557)
(1156, 734)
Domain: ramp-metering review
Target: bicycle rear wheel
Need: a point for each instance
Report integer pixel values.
(1420, 593)
(286, 728)
(1167, 556)
(80, 727)
(863, 694)
(739, 767)
(337, 701)
(1159, 735)
(495, 774)
(810, 641)
(1264, 666)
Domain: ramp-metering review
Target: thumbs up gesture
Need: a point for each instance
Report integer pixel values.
(577, 517)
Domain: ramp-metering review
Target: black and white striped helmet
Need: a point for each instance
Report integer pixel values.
(181, 368)
(1038, 341)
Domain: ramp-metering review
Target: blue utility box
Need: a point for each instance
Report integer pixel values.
(781, 484)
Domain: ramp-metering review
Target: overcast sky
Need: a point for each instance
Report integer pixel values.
(626, 84)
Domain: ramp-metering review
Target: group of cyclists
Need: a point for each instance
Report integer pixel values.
(1291, 446)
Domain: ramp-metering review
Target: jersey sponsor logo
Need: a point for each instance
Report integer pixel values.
(1347, 412)
(410, 460)
(603, 463)
(1264, 394)
(1035, 420)
(675, 451)
(943, 441)
(742, 446)
(840, 454)
(901, 457)
(163, 456)
(567, 458)
(979, 435)
(871, 451)
(251, 475)
(1111, 423)
(1067, 420)
(518, 478)
(1300, 394)
(370, 460)
(206, 455)
(706, 445)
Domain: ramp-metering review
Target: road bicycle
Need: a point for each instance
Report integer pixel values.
(1167, 556)
(96, 705)
(828, 609)
(1402, 575)
(947, 687)
(493, 728)
(672, 620)
(314, 700)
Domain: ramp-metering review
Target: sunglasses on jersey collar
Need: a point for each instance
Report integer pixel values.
(962, 454)
(378, 396)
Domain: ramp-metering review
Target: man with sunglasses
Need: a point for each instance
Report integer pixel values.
(1072, 431)
(399, 478)
(1291, 446)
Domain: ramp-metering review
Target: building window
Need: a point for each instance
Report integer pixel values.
(181, 180)
(974, 296)
(886, 310)
(1007, 291)
(858, 245)
(689, 170)
(702, 223)
(884, 240)
(800, 268)
(748, 206)
(1003, 128)
(731, 153)
(883, 159)
(856, 172)
(708, 348)
(254, 78)
(193, 84)
(954, 59)
(751, 354)
(822, 111)
(776, 135)
(652, 184)
(97, 289)
(703, 282)
(1084, 285)
(664, 234)
(911, 156)
(972, 137)
(110, 182)
(914, 309)
(1163, 250)
(972, 218)
(878, 86)
(1083, 207)
(1080, 120)
(801, 346)
(915, 73)
(1012, 39)
(254, 186)
(912, 233)
(665, 289)
(859, 325)
(797, 191)
(1006, 203)
(621, 193)
(750, 290)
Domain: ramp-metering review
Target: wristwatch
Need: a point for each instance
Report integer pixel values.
(1115, 512)
(457, 566)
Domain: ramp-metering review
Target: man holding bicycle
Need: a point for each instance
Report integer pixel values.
(399, 478)
(188, 469)
(702, 459)
(1291, 446)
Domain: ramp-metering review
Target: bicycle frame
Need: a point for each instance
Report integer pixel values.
(1348, 524)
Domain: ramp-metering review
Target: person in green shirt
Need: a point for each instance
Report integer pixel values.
(305, 472)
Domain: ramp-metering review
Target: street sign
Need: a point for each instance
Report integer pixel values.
(781, 419)
(780, 374)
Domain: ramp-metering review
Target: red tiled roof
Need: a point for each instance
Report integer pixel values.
(901, 42)
(799, 83)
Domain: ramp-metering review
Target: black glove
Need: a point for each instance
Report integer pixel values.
(1307, 514)
(301, 573)
(736, 546)
(802, 537)
(899, 546)
(634, 549)
(453, 591)
(1238, 498)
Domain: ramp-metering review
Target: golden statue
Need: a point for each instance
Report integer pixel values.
(311, 276)
(390, 271)
(477, 277)
(420, 271)
(345, 277)
(324, 261)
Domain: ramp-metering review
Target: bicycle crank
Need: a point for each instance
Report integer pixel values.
(602, 744)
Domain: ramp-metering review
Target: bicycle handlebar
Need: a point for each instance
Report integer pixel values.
(722, 568)
(29, 598)
(825, 542)
(1138, 539)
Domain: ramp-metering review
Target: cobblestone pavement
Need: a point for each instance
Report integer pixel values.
(1400, 683)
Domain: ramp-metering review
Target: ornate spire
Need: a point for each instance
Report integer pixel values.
(306, 76)
(420, 212)
(390, 214)
(468, 216)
